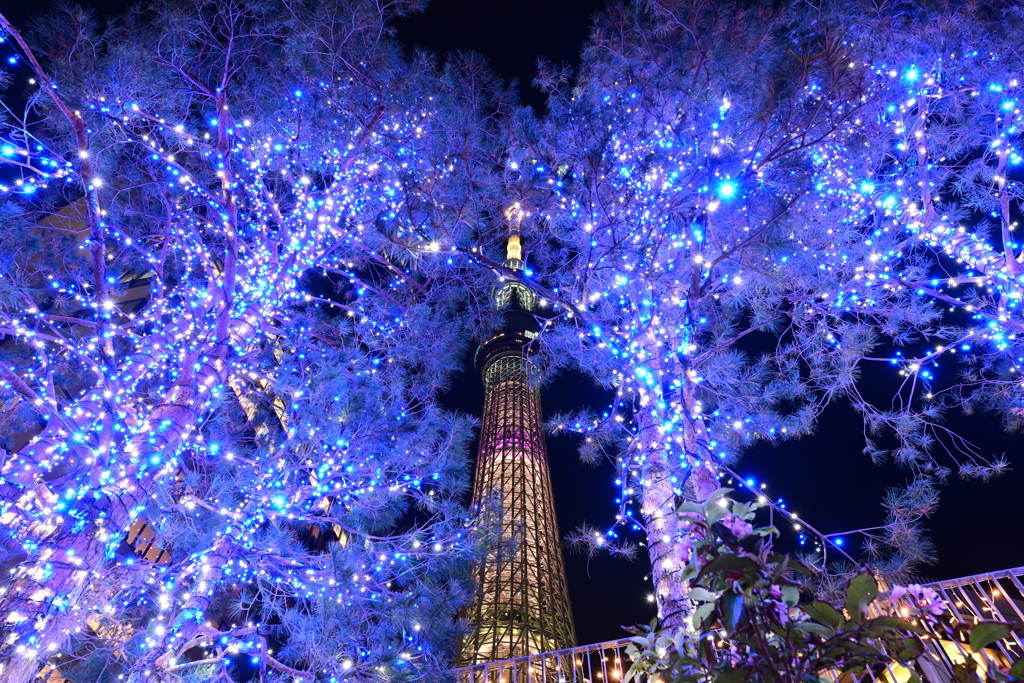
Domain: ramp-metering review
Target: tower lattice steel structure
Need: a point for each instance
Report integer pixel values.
(522, 603)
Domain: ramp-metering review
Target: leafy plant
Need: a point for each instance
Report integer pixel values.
(749, 620)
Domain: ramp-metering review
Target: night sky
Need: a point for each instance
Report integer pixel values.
(825, 478)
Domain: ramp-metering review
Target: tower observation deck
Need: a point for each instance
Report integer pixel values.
(522, 602)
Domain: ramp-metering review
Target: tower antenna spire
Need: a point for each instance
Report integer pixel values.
(514, 250)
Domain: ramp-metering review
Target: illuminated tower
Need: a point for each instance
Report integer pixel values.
(522, 604)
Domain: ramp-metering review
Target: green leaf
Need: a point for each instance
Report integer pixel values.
(715, 513)
(834, 653)
(894, 623)
(786, 562)
(733, 610)
(986, 633)
(752, 543)
(678, 642)
(813, 629)
(702, 613)
(802, 568)
(965, 673)
(734, 675)
(1017, 670)
(690, 506)
(860, 593)
(715, 495)
(790, 595)
(728, 563)
(910, 647)
(707, 650)
(824, 613)
(699, 594)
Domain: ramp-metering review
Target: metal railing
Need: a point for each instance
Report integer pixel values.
(995, 596)
(597, 663)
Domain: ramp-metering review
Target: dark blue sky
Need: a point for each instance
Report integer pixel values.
(512, 34)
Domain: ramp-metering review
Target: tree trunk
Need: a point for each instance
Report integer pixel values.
(663, 529)
(663, 484)
(702, 482)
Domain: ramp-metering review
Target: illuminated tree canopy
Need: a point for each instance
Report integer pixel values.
(228, 321)
(246, 246)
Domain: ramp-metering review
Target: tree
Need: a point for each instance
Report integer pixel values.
(227, 320)
(733, 218)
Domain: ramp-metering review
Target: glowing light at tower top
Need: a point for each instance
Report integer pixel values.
(514, 251)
